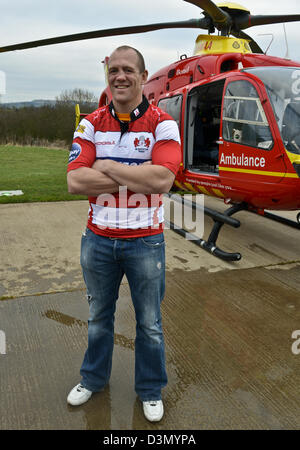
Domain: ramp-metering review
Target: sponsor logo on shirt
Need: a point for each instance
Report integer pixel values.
(80, 128)
(74, 152)
(106, 143)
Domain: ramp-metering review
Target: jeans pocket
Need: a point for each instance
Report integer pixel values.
(154, 241)
(85, 232)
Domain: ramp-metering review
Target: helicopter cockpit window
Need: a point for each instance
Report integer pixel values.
(172, 105)
(244, 120)
(283, 88)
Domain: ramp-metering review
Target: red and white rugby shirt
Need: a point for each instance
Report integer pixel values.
(151, 135)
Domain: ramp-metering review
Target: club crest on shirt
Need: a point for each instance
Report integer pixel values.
(141, 144)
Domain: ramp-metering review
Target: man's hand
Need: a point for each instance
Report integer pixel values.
(97, 165)
(104, 165)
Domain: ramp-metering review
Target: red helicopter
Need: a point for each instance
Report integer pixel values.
(238, 111)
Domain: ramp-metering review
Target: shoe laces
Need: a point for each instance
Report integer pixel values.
(153, 402)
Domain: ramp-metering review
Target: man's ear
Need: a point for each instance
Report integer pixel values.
(144, 77)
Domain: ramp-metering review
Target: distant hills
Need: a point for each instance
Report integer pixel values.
(40, 102)
(30, 104)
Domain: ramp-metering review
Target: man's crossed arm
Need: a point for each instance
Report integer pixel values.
(105, 176)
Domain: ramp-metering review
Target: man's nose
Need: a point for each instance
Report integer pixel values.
(121, 74)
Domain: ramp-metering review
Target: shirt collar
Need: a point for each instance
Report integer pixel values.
(138, 112)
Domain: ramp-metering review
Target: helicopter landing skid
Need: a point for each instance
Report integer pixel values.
(280, 219)
(210, 244)
(219, 220)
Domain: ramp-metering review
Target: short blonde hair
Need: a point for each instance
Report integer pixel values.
(141, 61)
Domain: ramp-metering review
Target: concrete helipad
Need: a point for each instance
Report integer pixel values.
(231, 359)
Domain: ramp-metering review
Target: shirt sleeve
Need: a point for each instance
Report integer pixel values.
(168, 154)
(83, 150)
(167, 151)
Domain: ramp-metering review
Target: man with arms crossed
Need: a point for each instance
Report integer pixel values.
(124, 156)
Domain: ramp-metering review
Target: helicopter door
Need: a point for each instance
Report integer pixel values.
(204, 118)
(249, 149)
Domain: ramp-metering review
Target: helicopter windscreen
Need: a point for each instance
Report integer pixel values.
(283, 88)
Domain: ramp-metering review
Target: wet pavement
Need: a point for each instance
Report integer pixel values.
(228, 328)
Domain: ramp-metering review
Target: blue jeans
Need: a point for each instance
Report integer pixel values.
(104, 261)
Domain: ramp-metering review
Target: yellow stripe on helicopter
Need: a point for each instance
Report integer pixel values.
(218, 193)
(260, 172)
(190, 187)
(180, 186)
(203, 190)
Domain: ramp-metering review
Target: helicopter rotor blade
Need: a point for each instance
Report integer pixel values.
(255, 48)
(218, 15)
(203, 23)
(252, 21)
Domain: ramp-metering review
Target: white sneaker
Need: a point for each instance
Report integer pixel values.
(79, 395)
(153, 410)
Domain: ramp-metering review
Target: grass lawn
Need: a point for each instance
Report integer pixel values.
(37, 171)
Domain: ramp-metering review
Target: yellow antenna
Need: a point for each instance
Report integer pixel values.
(77, 115)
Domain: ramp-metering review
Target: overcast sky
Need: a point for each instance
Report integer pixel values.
(43, 73)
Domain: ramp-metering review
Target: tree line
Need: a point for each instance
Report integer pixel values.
(46, 125)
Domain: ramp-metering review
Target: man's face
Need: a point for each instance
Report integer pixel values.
(125, 80)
